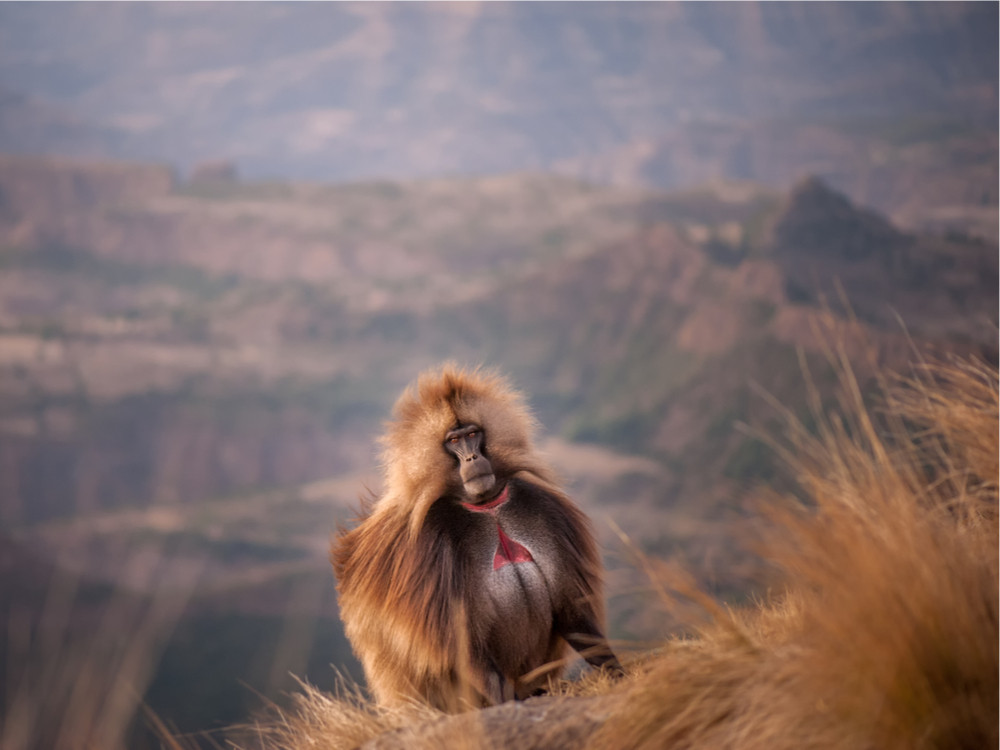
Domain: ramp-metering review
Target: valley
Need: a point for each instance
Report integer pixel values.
(192, 377)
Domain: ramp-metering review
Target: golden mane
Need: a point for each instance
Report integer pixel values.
(413, 460)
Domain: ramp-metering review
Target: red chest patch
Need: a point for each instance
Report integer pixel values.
(509, 551)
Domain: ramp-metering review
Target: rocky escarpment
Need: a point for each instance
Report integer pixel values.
(63, 201)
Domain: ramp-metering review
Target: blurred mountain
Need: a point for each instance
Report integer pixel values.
(166, 342)
(882, 99)
(928, 171)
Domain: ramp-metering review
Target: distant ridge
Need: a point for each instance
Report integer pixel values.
(816, 220)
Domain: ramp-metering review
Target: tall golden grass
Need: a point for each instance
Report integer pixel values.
(75, 670)
(883, 632)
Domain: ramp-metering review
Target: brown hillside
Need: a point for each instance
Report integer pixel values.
(830, 249)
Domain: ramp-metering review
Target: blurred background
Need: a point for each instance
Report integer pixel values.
(231, 233)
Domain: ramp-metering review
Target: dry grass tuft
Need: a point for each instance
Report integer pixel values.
(887, 632)
(76, 670)
(884, 634)
(322, 720)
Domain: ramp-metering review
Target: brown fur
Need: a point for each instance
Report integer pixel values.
(411, 603)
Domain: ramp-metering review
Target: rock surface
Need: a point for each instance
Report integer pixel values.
(534, 724)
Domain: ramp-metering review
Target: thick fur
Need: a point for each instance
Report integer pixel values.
(424, 611)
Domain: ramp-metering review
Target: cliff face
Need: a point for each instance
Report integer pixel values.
(63, 201)
(828, 247)
(132, 213)
(168, 344)
(161, 451)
